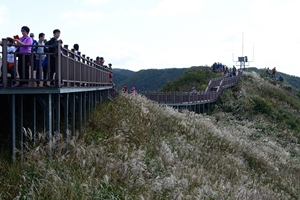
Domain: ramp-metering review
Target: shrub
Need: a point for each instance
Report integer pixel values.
(261, 106)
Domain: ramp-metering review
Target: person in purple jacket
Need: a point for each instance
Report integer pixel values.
(24, 40)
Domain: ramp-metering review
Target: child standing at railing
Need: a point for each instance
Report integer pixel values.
(39, 58)
(10, 59)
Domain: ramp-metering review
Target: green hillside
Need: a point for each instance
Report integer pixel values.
(257, 97)
(151, 79)
(247, 148)
(197, 77)
(121, 75)
(289, 80)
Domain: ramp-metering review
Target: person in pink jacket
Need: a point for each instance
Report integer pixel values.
(27, 41)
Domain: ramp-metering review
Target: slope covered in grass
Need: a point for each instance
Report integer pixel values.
(197, 77)
(135, 149)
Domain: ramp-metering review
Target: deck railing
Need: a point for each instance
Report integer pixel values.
(175, 98)
(69, 72)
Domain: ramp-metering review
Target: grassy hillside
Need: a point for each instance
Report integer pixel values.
(197, 77)
(151, 79)
(290, 80)
(248, 148)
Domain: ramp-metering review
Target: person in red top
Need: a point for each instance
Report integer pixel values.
(124, 89)
(27, 41)
(110, 74)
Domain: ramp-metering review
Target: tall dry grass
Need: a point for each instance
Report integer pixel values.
(135, 149)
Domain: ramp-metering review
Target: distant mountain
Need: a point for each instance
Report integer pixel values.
(150, 79)
(291, 80)
(121, 75)
(182, 79)
(197, 77)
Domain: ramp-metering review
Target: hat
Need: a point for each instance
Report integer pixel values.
(31, 35)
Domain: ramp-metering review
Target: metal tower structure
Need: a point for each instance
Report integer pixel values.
(243, 61)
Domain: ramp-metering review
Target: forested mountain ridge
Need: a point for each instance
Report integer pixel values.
(149, 79)
(197, 77)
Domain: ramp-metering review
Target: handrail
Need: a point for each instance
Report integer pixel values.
(69, 72)
(184, 98)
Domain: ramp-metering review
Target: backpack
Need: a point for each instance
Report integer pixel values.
(52, 42)
(33, 47)
(46, 49)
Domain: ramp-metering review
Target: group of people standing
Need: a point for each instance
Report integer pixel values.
(220, 68)
(27, 46)
(272, 73)
(41, 46)
(133, 90)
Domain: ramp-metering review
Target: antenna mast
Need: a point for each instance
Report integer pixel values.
(243, 44)
(243, 60)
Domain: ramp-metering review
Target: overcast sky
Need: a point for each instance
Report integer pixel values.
(142, 34)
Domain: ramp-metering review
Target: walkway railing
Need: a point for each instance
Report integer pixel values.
(69, 72)
(185, 98)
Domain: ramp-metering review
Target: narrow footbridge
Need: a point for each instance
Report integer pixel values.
(198, 102)
(79, 84)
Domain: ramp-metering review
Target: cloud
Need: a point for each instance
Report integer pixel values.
(118, 51)
(3, 11)
(94, 2)
(75, 18)
(172, 8)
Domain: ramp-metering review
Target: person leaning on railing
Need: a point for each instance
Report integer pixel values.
(76, 49)
(38, 48)
(27, 42)
(53, 43)
(111, 75)
(10, 59)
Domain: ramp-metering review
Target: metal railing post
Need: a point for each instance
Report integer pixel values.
(181, 98)
(67, 50)
(174, 96)
(4, 63)
(58, 66)
(83, 55)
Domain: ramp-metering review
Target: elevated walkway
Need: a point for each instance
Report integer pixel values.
(195, 101)
(79, 85)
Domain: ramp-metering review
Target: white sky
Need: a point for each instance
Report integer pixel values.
(142, 34)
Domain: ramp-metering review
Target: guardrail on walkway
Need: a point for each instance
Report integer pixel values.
(187, 98)
(69, 72)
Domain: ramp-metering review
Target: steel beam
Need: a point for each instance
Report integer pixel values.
(79, 112)
(49, 121)
(57, 113)
(73, 114)
(20, 122)
(66, 111)
(13, 127)
(89, 107)
(33, 120)
(84, 107)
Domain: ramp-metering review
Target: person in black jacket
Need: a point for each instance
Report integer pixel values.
(53, 43)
